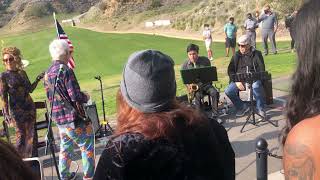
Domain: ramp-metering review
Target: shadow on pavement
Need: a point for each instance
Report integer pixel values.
(244, 148)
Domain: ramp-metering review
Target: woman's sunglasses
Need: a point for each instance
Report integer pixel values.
(8, 60)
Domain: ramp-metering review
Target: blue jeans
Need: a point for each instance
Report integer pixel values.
(232, 92)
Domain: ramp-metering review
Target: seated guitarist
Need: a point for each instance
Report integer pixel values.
(196, 61)
(246, 59)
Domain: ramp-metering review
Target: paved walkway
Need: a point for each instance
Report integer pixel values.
(243, 143)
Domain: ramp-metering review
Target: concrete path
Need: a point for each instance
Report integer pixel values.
(243, 143)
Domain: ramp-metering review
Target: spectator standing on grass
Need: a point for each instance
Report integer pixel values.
(230, 31)
(251, 24)
(289, 25)
(268, 29)
(301, 157)
(207, 37)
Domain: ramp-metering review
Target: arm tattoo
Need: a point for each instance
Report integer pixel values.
(299, 163)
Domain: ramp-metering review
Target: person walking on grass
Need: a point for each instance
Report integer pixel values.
(206, 34)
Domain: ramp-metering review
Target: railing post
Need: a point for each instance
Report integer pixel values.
(262, 159)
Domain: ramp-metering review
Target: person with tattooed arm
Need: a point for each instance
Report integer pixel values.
(301, 157)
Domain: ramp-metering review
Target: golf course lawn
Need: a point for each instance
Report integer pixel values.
(105, 54)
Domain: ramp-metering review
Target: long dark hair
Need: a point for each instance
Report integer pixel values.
(11, 164)
(304, 101)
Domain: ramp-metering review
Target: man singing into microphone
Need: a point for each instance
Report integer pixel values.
(72, 129)
(246, 59)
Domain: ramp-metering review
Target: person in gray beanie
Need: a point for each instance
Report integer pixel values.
(158, 138)
(148, 82)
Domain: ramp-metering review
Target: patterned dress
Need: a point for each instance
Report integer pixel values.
(15, 89)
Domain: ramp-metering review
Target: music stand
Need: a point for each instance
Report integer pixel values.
(197, 75)
(202, 75)
(252, 112)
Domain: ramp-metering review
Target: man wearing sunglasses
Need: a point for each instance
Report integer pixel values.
(246, 59)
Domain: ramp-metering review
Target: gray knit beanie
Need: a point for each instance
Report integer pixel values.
(148, 82)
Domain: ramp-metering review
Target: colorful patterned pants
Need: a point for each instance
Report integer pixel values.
(83, 136)
(24, 138)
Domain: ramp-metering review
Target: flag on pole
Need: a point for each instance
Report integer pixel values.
(62, 35)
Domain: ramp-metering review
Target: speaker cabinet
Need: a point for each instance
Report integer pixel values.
(267, 86)
(92, 113)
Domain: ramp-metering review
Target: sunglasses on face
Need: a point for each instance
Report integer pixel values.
(242, 46)
(8, 60)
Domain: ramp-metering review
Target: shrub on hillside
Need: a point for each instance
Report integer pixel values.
(155, 4)
(39, 9)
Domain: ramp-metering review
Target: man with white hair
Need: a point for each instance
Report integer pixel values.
(246, 59)
(65, 113)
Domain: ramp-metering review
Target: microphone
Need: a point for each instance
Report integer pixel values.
(97, 77)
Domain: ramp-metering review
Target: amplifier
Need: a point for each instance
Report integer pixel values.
(91, 112)
(267, 86)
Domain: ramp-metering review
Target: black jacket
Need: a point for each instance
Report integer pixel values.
(204, 155)
(257, 62)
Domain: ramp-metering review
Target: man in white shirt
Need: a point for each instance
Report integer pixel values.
(251, 24)
(207, 40)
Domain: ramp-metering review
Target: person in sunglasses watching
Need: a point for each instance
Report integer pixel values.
(18, 107)
(246, 59)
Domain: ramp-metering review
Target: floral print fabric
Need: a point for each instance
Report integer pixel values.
(19, 106)
(83, 137)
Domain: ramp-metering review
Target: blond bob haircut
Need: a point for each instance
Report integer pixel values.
(15, 53)
(59, 50)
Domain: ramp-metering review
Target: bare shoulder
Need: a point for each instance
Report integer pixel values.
(300, 150)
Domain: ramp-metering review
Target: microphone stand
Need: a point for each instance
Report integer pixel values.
(106, 127)
(50, 137)
(252, 111)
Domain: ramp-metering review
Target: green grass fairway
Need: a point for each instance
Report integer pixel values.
(105, 54)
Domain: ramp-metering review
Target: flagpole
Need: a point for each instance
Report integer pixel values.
(55, 22)
(50, 137)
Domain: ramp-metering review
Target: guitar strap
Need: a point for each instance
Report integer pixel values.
(63, 96)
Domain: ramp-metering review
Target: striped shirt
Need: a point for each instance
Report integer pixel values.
(63, 112)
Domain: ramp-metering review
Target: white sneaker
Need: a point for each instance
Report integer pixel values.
(263, 113)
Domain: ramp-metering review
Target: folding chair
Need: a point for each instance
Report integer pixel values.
(36, 165)
(5, 128)
(42, 124)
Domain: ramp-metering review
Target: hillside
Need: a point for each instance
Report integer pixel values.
(187, 16)
(131, 15)
(24, 15)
